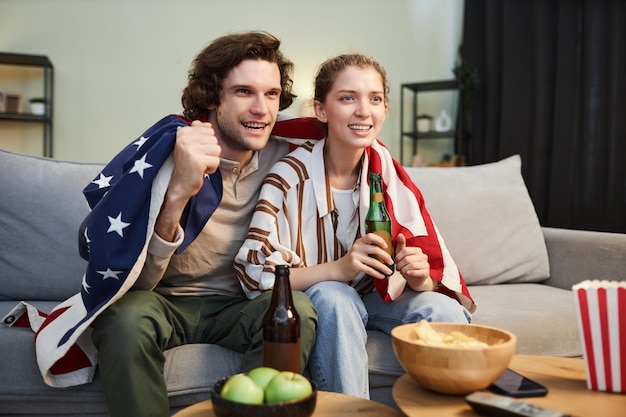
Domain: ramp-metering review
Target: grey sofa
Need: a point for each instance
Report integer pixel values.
(519, 274)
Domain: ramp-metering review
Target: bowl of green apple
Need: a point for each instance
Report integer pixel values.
(264, 392)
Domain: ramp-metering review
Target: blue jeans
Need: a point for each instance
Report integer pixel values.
(338, 361)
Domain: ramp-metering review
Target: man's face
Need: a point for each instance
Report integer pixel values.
(249, 105)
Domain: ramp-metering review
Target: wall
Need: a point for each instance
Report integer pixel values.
(120, 65)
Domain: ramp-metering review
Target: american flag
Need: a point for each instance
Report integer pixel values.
(125, 199)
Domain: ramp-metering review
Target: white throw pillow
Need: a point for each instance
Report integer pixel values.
(487, 219)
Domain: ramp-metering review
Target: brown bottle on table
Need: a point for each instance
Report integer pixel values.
(378, 220)
(281, 326)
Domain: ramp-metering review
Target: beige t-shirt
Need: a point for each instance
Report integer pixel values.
(206, 265)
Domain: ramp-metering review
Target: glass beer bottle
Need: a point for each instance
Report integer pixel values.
(378, 220)
(281, 326)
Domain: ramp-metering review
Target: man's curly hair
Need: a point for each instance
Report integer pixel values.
(213, 64)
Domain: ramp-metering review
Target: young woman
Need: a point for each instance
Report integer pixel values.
(310, 216)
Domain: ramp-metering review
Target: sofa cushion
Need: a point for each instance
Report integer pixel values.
(487, 220)
(190, 372)
(41, 209)
(542, 317)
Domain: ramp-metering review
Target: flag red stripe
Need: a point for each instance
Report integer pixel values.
(53, 315)
(381, 286)
(300, 127)
(74, 359)
(22, 321)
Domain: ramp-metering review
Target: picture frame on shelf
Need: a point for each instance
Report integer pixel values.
(11, 102)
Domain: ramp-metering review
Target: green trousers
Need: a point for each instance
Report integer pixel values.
(132, 334)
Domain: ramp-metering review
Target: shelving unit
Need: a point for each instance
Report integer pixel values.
(410, 113)
(40, 61)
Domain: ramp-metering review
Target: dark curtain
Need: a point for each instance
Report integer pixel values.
(551, 86)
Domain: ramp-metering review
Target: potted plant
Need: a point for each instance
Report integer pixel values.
(423, 122)
(37, 106)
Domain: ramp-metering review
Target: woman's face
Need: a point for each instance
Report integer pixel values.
(354, 108)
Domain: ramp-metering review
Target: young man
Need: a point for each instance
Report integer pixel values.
(186, 290)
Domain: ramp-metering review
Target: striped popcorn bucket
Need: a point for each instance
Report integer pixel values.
(601, 310)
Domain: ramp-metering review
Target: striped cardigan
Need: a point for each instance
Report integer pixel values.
(294, 223)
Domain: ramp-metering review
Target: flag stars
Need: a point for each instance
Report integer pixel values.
(102, 181)
(140, 165)
(87, 240)
(140, 142)
(109, 274)
(117, 225)
(85, 285)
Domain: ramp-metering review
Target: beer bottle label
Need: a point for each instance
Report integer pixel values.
(377, 198)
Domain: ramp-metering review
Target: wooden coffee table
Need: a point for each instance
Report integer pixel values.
(564, 377)
(329, 404)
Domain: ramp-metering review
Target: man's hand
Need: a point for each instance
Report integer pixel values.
(196, 153)
(413, 264)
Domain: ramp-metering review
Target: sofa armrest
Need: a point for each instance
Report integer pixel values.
(577, 255)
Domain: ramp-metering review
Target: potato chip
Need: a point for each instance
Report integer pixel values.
(429, 336)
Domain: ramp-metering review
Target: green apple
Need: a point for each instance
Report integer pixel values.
(287, 386)
(242, 389)
(262, 375)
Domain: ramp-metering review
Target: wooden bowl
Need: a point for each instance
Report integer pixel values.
(452, 370)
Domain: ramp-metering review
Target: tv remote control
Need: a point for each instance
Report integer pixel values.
(492, 405)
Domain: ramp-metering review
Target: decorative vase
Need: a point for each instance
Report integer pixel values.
(443, 123)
